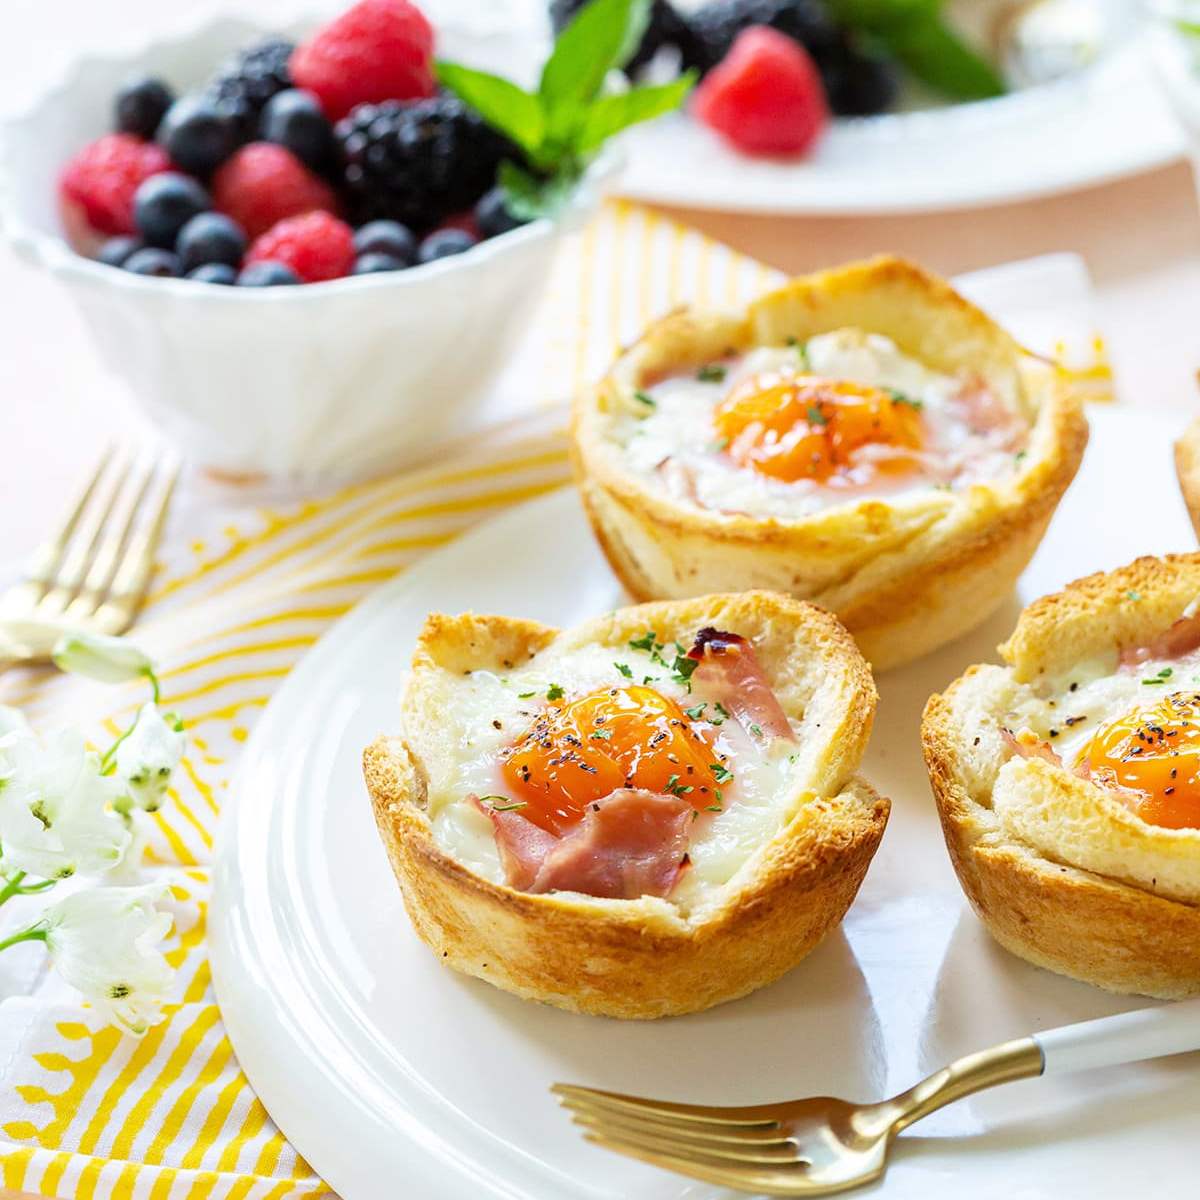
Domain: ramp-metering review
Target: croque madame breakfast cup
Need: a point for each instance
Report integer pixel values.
(328, 380)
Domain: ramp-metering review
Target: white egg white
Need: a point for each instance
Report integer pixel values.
(492, 712)
(676, 428)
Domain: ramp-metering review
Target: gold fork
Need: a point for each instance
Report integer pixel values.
(92, 573)
(820, 1146)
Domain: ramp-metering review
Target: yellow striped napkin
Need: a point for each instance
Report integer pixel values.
(242, 591)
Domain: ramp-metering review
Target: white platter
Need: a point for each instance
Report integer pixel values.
(1099, 125)
(395, 1077)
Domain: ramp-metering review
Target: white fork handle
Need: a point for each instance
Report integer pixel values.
(1127, 1037)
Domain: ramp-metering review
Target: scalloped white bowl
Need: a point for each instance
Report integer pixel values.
(331, 380)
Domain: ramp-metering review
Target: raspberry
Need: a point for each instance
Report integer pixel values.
(263, 183)
(378, 50)
(317, 246)
(104, 175)
(765, 96)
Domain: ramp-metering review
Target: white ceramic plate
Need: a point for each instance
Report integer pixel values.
(1096, 126)
(396, 1077)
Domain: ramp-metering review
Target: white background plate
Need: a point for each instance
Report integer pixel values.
(1096, 126)
(396, 1077)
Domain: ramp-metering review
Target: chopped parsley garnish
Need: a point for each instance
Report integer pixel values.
(645, 398)
(720, 773)
(696, 711)
(1161, 677)
(714, 808)
(603, 734)
(683, 668)
(801, 349)
(816, 416)
(711, 373)
(525, 695)
(675, 788)
(1020, 456)
(1133, 595)
(647, 680)
(722, 714)
(625, 669)
(554, 692)
(648, 641)
(899, 397)
(504, 805)
(756, 730)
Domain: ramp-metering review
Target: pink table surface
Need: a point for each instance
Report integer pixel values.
(1140, 238)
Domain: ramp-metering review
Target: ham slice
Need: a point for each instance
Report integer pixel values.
(729, 673)
(632, 843)
(1181, 638)
(986, 413)
(1027, 744)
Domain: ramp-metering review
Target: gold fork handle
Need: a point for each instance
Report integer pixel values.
(1010, 1061)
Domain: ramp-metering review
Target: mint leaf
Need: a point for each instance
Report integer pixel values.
(601, 37)
(527, 197)
(611, 114)
(502, 104)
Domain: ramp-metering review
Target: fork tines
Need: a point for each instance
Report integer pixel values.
(94, 569)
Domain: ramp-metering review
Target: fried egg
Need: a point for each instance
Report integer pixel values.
(549, 737)
(794, 429)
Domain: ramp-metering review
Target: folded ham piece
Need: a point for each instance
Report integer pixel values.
(729, 672)
(632, 843)
(1181, 638)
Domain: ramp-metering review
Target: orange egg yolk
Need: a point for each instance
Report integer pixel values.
(621, 737)
(1154, 754)
(793, 427)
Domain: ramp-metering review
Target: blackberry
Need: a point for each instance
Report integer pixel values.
(858, 84)
(244, 84)
(718, 23)
(417, 162)
(666, 28)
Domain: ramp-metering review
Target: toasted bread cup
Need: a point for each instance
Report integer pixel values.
(652, 956)
(905, 575)
(1187, 468)
(1060, 870)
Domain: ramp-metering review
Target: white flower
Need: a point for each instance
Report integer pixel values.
(11, 719)
(56, 814)
(146, 758)
(104, 942)
(109, 659)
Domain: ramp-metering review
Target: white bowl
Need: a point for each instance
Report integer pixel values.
(337, 379)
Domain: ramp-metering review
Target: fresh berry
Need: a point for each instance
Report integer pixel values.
(665, 28)
(214, 272)
(294, 119)
(492, 216)
(104, 175)
(389, 238)
(378, 50)
(267, 274)
(263, 184)
(418, 163)
(197, 134)
(153, 261)
(316, 246)
(242, 87)
(210, 238)
(373, 263)
(165, 203)
(142, 103)
(116, 250)
(442, 243)
(765, 97)
(719, 22)
(858, 84)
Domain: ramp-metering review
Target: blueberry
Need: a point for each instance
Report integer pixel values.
(267, 274)
(197, 134)
(142, 103)
(153, 261)
(294, 119)
(210, 237)
(441, 243)
(492, 216)
(116, 250)
(373, 262)
(214, 272)
(386, 237)
(164, 204)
